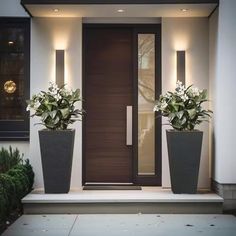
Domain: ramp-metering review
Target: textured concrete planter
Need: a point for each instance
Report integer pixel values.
(56, 153)
(184, 150)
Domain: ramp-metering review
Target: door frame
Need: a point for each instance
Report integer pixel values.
(147, 180)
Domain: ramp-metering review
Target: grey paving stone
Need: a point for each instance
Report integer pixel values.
(153, 225)
(44, 222)
(37, 232)
(40, 225)
(124, 225)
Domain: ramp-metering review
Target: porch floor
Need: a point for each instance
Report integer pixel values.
(147, 200)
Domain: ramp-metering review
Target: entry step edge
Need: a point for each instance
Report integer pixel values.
(121, 196)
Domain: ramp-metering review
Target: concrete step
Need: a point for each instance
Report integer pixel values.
(147, 201)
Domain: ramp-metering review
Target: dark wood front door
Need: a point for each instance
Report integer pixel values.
(107, 90)
(121, 68)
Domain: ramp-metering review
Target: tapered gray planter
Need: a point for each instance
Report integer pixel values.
(184, 150)
(56, 153)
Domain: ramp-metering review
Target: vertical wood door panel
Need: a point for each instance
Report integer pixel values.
(108, 90)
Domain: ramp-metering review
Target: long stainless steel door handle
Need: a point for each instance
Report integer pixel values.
(129, 132)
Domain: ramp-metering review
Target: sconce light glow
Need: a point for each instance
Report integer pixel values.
(56, 10)
(10, 42)
(121, 10)
(181, 41)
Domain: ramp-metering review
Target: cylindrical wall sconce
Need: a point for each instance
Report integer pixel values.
(60, 70)
(181, 66)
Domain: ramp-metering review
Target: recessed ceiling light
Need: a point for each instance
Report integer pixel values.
(56, 10)
(184, 9)
(121, 10)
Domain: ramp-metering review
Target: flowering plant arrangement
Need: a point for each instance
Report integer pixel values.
(183, 107)
(56, 107)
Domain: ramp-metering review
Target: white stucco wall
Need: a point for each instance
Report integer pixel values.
(213, 35)
(223, 84)
(12, 8)
(191, 35)
(47, 35)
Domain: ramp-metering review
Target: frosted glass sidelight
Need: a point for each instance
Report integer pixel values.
(146, 97)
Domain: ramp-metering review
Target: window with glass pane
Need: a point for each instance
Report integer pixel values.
(146, 97)
(14, 77)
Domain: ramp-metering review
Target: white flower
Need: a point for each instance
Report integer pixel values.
(180, 92)
(36, 105)
(53, 88)
(180, 89)
(194, 91)
(163, 105)
(168, 95)
(178, 84)
(40, 95)
(67, 92)
(155, 108)
(58, 97)
(28, 108)
(184, 97)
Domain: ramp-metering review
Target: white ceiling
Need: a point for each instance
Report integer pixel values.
(130, 10)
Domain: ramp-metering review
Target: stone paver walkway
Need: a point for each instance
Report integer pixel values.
(123, 225)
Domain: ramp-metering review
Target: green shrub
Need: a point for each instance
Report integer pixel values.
(9, 189)
(9, 158)
(30, 173)
(21, 181)
(14, 185)
(3, 203)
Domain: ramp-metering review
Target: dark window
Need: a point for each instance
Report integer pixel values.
(14, 78)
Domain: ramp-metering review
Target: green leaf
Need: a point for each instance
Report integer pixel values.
(192, 113)
(203, 96)
(44, 116)
(56, 120)
(48, 106)
(180, 114)
(65, 112)
(53, 114)
(183, 121)
(186, 90)
(171, 116)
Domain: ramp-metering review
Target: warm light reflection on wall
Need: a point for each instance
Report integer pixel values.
(60, 41)
(188, 69)
(173, 71)
(67, 71)
(180, 42)
(61, 38)
(52, 76)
